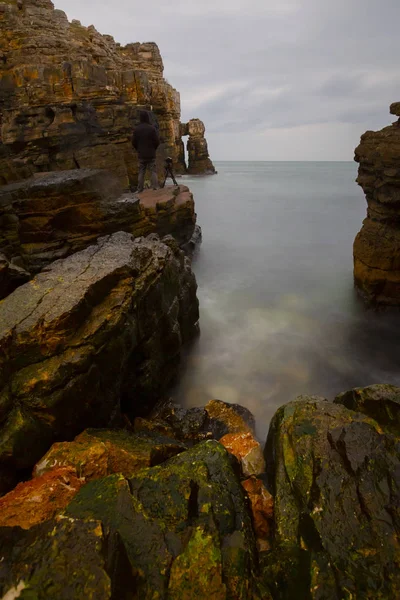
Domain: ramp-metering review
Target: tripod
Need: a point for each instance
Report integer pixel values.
(169, 172)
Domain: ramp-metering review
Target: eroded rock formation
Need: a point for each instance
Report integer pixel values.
(69, 96)
(52, 216)
(100, 328)
(377, 246)
(198, 157)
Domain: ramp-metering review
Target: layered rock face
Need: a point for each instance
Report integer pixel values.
(69, 96)
(52, 216)
(199, 159)
(100, 328)
(377, 246)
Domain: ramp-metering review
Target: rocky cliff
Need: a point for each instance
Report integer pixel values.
(377, 245)
(69, 96)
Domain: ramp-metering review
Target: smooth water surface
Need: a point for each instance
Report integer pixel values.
(279, 315)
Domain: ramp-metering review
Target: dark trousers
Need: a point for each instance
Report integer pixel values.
(147, 163)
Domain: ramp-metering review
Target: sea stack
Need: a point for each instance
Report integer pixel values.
(377, 245)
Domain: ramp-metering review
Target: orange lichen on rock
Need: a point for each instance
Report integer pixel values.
(96, 453)
(247, 450)
(40, 499)
(262, 507)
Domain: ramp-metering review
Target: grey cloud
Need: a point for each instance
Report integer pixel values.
(246, 67)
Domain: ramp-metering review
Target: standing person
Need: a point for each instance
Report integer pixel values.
(146, 141)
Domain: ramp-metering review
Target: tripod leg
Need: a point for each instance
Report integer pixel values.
(165, 179)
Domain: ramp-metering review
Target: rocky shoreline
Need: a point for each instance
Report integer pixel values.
(182, 504)
(107, 489)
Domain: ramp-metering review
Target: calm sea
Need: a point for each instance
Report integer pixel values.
(279, 314)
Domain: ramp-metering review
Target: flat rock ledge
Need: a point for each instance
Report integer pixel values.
(53, 215)
(100, 329)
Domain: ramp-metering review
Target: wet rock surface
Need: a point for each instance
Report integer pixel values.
(52, 216)
(61, 559)
(40, 499)
(334, 475)
(247, 450)
(184, 525)
(381, 402)
(377, 245)
(322, 522)
(96, 453)
(98, 330)
(193, 425)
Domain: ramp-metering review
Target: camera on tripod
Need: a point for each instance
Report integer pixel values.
(168, 171)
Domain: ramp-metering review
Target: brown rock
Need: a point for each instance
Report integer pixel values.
(247, 450)
(228, 418)
(262, 507)
(377, 245)
(40, 499)
(96, 453)
(50, 217)
(199, 158)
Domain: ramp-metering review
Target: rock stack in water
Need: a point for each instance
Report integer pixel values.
(377, 246)
(69, 96)
(197, 147)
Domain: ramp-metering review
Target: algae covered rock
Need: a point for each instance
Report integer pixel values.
(335, 477)
(58, 560)
(96, 331)
(380, 402)
(184, 524)
(96, 453)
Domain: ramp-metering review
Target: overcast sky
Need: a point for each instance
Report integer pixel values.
(271, 79)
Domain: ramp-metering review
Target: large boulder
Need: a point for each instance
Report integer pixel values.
(335, 477)
(52, 216)
(185, 526)
(377, 245)
(99, 330)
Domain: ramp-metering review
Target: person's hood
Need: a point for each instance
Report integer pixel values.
(144, 116)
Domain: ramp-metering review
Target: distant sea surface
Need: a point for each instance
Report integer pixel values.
(279, 313)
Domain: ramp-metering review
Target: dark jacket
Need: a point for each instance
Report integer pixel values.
(145, 138)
